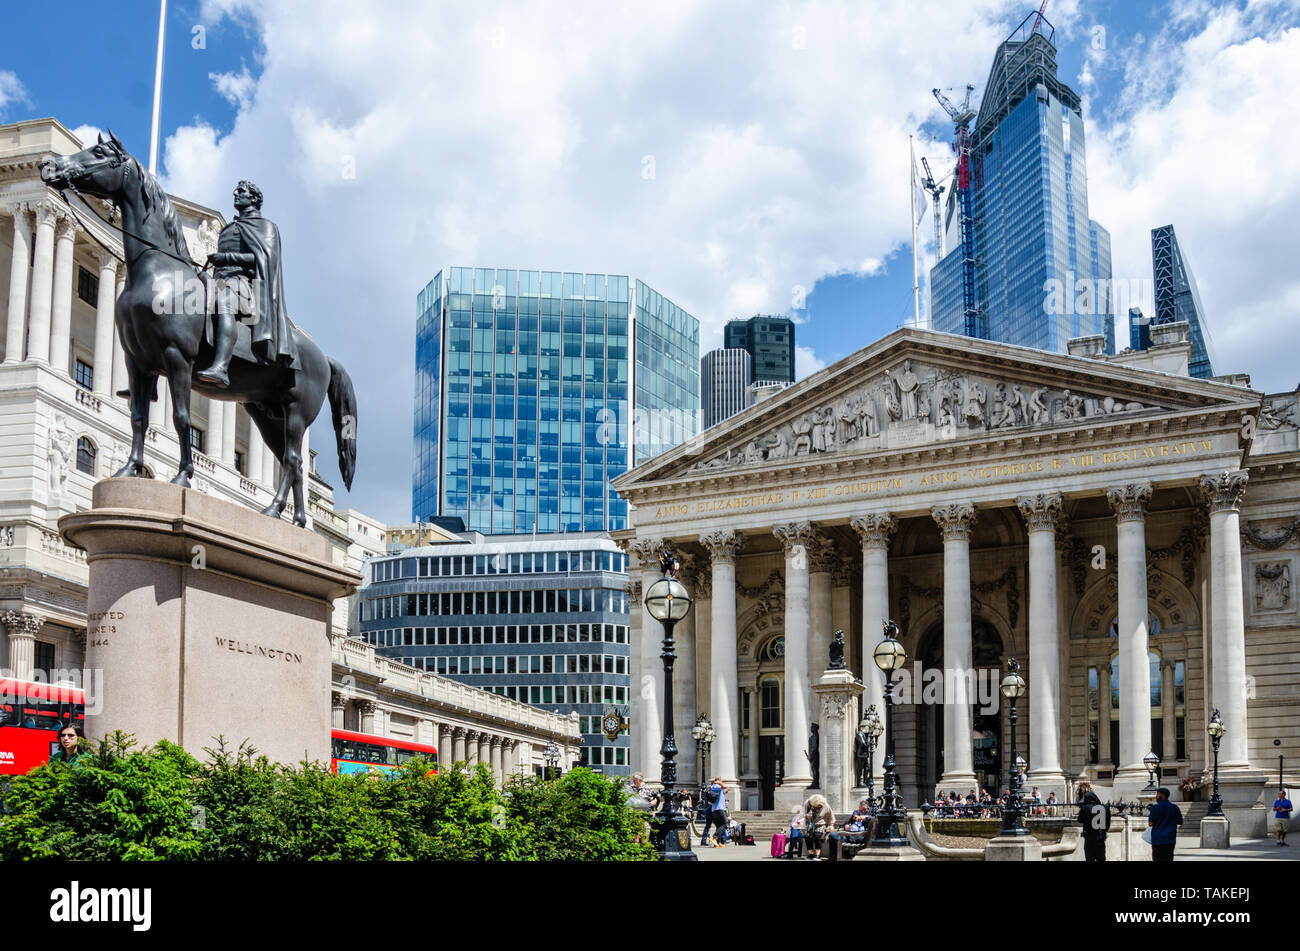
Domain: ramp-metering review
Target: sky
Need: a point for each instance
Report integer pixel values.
(738, 157)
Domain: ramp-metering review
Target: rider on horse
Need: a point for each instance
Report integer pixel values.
(247, 275)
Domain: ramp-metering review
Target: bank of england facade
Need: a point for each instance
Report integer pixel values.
(1121, 529)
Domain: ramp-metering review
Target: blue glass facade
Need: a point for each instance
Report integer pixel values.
(524, 400)
(1040, 259)
(540, 622)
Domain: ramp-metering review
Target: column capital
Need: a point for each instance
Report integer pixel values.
(1041, 511)
(795, 536)
(472, 735)
(1223, 492)
(46, 211)
(723, 545)
(22, 623)
(822, 555)
(497, 742)
(875, 529)
(67, 227)
(19, 209)
(107, 262)
(458, 732)
(509, 743)
(1130, 501)
(955, 520)
(645, 550)
(337, 700)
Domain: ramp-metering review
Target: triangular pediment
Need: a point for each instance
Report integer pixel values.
(917, 388)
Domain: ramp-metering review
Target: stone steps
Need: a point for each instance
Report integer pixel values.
(1193, 813)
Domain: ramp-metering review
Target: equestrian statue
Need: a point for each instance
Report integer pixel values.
(240, 335)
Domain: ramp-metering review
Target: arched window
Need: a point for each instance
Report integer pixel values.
(86, 453)
(774, 649)
(1153, 626)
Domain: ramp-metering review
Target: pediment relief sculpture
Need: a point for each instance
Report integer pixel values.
(911, 404)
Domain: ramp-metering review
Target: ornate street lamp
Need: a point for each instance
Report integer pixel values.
(551, 753)
(1216, 729)
(1152, 763)
(891, 817)
(704, 735)
(871, 728)
(668, 601)
(1013, 688)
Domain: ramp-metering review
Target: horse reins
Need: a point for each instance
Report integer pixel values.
(145, 241)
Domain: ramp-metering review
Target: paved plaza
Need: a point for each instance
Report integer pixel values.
(1186, 851)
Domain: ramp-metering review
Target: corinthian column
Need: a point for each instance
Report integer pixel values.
(723, 547)
(822, 560)
(19, 261)
(796, 538)
(23, 628)
(61, 299)
(1041, 513)
(459, 746)
(875, 530)
(955, 520)
(646, 707)
(1130, 505)
(103, 359)
(1227, 625)
(38, 326)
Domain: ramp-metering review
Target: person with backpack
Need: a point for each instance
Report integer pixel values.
(1095, 819)
(717, 812)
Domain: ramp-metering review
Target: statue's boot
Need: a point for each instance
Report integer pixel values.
(218, 374)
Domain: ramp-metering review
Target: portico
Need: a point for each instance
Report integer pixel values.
(1017, 503)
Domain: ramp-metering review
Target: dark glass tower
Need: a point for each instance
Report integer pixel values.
(533, 389)
(1177, 298)
(1043, 267)
(770, 342)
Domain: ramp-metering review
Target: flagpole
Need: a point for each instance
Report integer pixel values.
(157, 89)
(916, 282)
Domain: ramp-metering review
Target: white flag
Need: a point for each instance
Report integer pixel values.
(920, 198)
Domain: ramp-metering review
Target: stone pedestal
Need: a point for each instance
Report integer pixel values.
(1013, 848)
(836, 694)
(1216, 833)
(906, 853)
(207, 619)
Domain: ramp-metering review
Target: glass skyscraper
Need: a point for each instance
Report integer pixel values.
(533, 389)
(770, 342)
(1177, 298)
(1043, 267)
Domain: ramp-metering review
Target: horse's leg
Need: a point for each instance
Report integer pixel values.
(293, 461)
(178, 379)
(272, 431)
(141, 384)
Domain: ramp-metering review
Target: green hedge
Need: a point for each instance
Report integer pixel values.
(120, 803)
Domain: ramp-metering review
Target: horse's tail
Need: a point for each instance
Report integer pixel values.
(343, 409)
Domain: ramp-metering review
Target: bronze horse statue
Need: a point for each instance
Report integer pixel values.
(163, 333)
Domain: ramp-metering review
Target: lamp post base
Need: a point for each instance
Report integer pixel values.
(672, 839)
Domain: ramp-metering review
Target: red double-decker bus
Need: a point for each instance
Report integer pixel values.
(363, 753)
(31, 715)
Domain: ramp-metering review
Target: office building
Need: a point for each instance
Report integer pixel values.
(770, 342)
(1177, 297)
(725, 378)
(1042, 265)
(534, 388)
(541, 621)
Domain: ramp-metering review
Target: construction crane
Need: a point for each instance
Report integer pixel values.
(961, 119)
(1039, 19)
(936, 192)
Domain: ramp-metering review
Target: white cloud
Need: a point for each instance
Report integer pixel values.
(723, 158)
(88, 134)
(1216, 156)
(806, 362)
(11, 91)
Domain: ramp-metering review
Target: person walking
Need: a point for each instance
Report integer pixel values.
(717, 811)
(1281, 816)
(1164, 820)
(1095, 819)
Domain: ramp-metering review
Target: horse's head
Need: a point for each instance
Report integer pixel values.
(100, 170)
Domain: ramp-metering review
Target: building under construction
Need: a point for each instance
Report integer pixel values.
(1036, 269)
